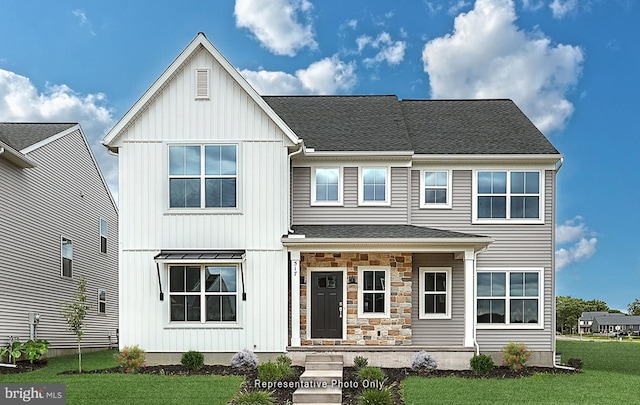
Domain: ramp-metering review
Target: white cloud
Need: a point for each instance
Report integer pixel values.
(389, 51)
(533, 5)
(455, 7)
(84, 20)
(583, 240)
(21, 101)
(560, 8)
(488, 56)
(326, 76)
(275, 24)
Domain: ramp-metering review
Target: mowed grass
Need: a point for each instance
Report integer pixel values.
(611, 375)
(127, 388)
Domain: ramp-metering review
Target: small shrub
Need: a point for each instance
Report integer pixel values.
(131, 359)
(481, 364)
(35, 349)
(423, 361)
(245, 359)
(575, 363)
(284, 360)
(12, 351)
(515, 355)
(370, 374)
(193, 360)
(372, 396)
(360, 362)
(271, 371)
(260, 397)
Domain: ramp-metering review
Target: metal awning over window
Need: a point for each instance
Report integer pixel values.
(199, 256)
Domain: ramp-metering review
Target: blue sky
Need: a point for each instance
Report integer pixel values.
(571, 65)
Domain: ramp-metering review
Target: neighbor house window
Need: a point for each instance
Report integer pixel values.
(374, 290)
(509, 297)
(435, 292)
(103, 235)
(510, 195)
(203, 176)
(206, 293)
(67, 257)
(326, 187)
(102, 301)
(436, 189)
(374, 186)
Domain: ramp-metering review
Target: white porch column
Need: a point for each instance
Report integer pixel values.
(295, 298)
(469, 303)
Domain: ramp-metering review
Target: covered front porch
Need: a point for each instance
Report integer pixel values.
(371, 290)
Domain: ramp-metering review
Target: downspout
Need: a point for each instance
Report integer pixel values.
(1, 150)
(475, 317)
(289, 174)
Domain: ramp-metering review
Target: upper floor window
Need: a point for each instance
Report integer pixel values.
(374, 186)
(509, 297)
(373, 288)
(102, 301)
(206, 293)
(436, 189)
(509, 195)
(103, 235)
(326, 187)
(435, 292)
(67, 258)
(203, 176)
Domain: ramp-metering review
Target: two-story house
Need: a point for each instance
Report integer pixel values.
(59, 222)
(364, 225)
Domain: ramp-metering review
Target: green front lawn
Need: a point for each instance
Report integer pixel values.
(611, 375)
(127, 388)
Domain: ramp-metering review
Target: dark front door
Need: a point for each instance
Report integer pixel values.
(326, 304)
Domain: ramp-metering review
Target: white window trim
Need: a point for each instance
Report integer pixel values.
(422, 188)
(387, 292)
(387, 188)
(340, 201)
(506, 325)
(422, 271)
(99, 301)
(508, 219)
(62, 239)
(206, 87)
(202, 209)
(203, 323)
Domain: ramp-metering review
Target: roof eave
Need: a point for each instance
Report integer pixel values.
(472, 158)
(16, 157)
(416, 244)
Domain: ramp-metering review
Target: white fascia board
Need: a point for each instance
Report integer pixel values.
(50, 139)
(200, 40)
(16, 157)
(551, 159)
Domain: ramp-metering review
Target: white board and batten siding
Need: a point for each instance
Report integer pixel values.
(515, 246)
(63, 196)
(228, 115)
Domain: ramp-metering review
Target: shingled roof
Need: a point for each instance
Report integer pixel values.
(20, 135)
(384, 123)
(377, 232)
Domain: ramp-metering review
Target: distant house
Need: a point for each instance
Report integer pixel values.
(59, 222)
(608, 323)
(347, 224)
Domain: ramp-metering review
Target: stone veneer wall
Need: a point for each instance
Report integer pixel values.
(395, 330)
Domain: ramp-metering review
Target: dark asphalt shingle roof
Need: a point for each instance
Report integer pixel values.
(376, 232)
(20, 135)
(384, 123)
(620, 319)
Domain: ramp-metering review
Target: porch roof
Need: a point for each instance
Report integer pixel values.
(410, 235)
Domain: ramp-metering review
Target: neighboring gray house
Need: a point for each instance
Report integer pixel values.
(608, 323)
(59, 222)
(349, 224)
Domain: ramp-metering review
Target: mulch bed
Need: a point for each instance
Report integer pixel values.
(350, 391)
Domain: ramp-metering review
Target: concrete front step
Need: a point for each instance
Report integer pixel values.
(320, 357)
(324, 365)
(330, 377)
(329, 395)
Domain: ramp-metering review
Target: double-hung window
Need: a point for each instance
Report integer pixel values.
(102, 301)
(374, 186)
(203, 293)
(435, 292)
(203, 176)
(508, 195)
(374, 292)
(326, 186)
(436, 189)
(509, 297)
(67, 258)
(103, 235)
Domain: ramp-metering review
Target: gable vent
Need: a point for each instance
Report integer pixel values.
(202, 83)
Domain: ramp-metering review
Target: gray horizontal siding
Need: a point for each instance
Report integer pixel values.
(439, 332)
(62, 196)
(350, 212)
